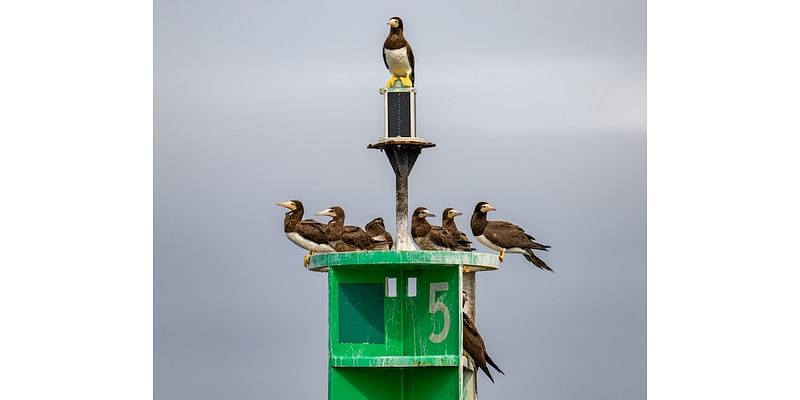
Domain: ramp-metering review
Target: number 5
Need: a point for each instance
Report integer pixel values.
(435, 305)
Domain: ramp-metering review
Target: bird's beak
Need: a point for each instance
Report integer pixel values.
(457, 213)
(490, 208)
(327, 213)
(284, 204)
(426, 213)
(389, 23)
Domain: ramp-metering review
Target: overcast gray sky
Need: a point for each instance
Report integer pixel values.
(536, 106)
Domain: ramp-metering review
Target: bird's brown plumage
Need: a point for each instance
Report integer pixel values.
(449, 224)
(345, 237)
(397, 40)
(381, 239)
(475, 347)
(430, 237)
(507, 236)
(309, 229)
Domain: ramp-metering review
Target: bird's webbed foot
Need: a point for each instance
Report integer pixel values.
(307, 259)
(502, 254)
(406, 81)
(391, 81)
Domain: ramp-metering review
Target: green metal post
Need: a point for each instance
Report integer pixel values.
(395, 322)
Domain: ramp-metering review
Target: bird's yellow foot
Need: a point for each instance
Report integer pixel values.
(502, 254)
(306, 260)
(391, 81)
(406, 81)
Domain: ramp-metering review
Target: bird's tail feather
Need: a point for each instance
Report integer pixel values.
(537, 261)
(491, 362)
(539, 246)
(485, 369)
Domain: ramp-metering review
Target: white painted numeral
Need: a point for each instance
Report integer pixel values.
(435, 305)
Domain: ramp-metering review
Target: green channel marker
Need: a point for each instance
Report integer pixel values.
(394, 329)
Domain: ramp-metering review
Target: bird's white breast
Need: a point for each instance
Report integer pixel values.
(309, 245)
(484, 241)
(398, 61)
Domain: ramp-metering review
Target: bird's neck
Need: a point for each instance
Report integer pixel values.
(337, 221)
(450, 225)
(291, 219)
(420, 227)
(395, 40)
(478, 223)
(334, 228)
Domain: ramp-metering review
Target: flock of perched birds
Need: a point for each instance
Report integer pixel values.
(335, 236)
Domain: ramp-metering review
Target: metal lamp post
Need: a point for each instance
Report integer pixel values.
(402, 147)
(395, 316)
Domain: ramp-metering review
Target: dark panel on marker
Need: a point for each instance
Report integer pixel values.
(399, 114)
(361, 314)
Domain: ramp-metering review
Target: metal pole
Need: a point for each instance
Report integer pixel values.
(469, 309)
(403, 241)
(469, 287)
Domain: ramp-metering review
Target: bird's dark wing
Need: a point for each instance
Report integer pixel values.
(312, 230)
(508, 235)
(356, 236)
(383, 52)
(464, 242)
(342, 246)
(410, 61)
(441, 237)
(389, 239)
(378, 234)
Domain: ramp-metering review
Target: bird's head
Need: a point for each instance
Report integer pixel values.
(292, 205)
(332, 212)
(484, 207)
(464, 298)
(422, 212)
(450, 213)
(377, 221)
(395, 23)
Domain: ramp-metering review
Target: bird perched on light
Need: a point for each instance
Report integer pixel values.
(381, 239)
(397, 54)
(505, 237)
(449, 224)
(308, 234)
(430, 237)
(474, 345)
(344, 237)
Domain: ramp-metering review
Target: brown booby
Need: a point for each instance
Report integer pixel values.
(449, 223)
(344, 237)
(505, 237)
(430, 237)
(308, 234)
(397, 54)
(381, 239)
(474, 345)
